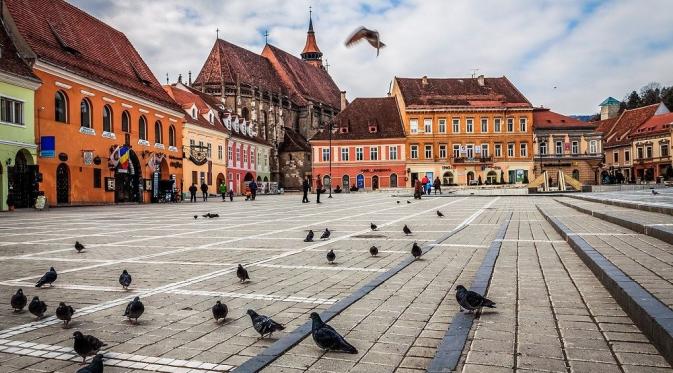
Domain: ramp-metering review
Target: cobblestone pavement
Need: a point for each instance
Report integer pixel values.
(664, 198)
(552, 312)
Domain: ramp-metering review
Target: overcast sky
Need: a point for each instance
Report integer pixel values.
(564, 54)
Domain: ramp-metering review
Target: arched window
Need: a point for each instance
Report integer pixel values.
(61, 107)
(85, 113)
(265, 118)
(171, 135)
(393, 180)
(157, 133)
(126, 122)
(142, 128)
(107, 119)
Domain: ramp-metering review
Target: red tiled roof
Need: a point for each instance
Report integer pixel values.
(187, 99)
(10, 62)
(303, 79)
(496, 92)
(628, 121)
(229, 63)
(544, 118)
(605, 126)
(354, 122)
(657, 124)
(64, 36)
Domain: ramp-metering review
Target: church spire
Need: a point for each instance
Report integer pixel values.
(311, 52)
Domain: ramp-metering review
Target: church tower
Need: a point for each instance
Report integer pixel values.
(311, 52)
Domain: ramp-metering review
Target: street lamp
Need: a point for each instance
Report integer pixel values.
(330, 159)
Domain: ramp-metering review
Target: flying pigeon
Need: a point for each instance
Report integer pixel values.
(406, 230)
(439, 213)
(48, 278)
(654, 192)
(327, 338)
(37, 307)
(373, 226)
(470, 300)
(96, 365)
(374, 250)
(371, 36)
(263, 324)
(125, 279)
(86, 345)
(331, 256)
(79, 247)
(408, 202)
(325, 235)
(18, 301)
(219, 311)
(196, 217)
(242, 274)
(309, 236)
(64, 312)
(134, 309)
(416, 251)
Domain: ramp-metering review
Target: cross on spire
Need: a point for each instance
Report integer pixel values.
(266, 36)
(326, 65)
(217, 31)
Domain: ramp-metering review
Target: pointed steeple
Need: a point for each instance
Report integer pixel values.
(311, 52)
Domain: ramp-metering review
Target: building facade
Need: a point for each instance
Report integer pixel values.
(465, 130)
(19, 173)
(285, 99)
(367, 147)
(652, 149)
(566, 144)
(107, 131)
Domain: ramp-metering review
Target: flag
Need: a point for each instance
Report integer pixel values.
(123, 165)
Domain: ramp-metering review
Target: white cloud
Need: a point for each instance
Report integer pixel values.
(615, 46)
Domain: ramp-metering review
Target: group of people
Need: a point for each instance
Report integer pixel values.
(224, 191)
(306, 186)
(425, 186)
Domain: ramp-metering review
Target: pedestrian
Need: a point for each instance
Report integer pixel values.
(425, 182)
(305, 185)
(192, 192)
(204, 191)
(253, 190)
(418, 189)
(231, 195)
(318, 189)
(223, 190)
(437, 185)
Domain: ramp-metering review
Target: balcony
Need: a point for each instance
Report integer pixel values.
(472, 160)
(567, 156)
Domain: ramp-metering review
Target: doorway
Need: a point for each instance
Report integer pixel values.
(62, 184)
(22, 180)
(346, 183)
(375, 182)
(127, 181)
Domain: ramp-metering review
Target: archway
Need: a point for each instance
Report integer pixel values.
(220, 180)
(345, 182)
(447, 178)
(393, 180)
(360, 181)
(576, 174)
(375, 182)
(164, 170)
(266, 179)
(62, 184)
(491, 177)
(22, 180)
(127, 181)
(259, 179)
(248, 177)
(470, 177)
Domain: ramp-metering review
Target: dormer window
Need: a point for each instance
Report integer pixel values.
(210, 118)
(194, 113)
(343, 130)
(373, 128)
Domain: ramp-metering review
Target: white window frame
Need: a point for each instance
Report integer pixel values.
(325, 154)
(427, 148)
(413, 151)
(593, 148)
(392, 153)
(456, 150)
(523, 124)
(558, 147)
(498, 150)
(484, 150)
(219, 152)
(442, 151)
(359, 153)
(455, 125)
(469, 125)
(344, 154)
(16, 117)
(661, 150)
(441, 124)
(497, 125)
(484, 125)
(575, 147)
(374, 153)
(413, 126)
(510, 150)
(542, 148)
(469, 150)
(427, 125)
(627, 156)
(510, 124)
(523, 149)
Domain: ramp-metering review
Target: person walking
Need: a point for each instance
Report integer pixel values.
(192, 192)
(437, 185)
(425, 182)
(318, 189)
(418, 189)
(223, 190)
(305, 185)
(253, 190)
(204, 191)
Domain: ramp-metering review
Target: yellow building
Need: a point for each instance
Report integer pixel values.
(466, 130)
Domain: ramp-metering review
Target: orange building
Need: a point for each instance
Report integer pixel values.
(107, 131)
(367, 146)
(464, 130)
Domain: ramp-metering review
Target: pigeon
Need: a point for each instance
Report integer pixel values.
(196, 217)
(86, 345)
(331, 256)
(263, 324)
(18, 301)
(125, 279)
(409, 202)
(219, 311)
(134, 309)
(64, 312)
(96, 365)
(373, 226)
(406, 230)
(210, 215)
(327, 338)
(470, 300)
(374, 250)
(242, 274)
(371, 36)
(654, 192)
(37, 307)
(325, 235)
(48, 278)
(398, 202)
(309, 236)
(79, 247)
(439, 213)
(416, 251)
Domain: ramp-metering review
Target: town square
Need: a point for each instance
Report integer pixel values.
(358, 186)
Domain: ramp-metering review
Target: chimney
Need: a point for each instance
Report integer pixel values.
(190, 78)
(180, 78)
(343, 100)
(424, 80)
(480, 80)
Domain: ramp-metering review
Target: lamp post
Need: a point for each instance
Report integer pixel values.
(330, 159)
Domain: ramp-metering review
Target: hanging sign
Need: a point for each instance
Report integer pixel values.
(87, 156)
(47, 146)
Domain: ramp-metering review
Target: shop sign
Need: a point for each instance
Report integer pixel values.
(110, 184)
(47, 146)
(87, 131)
(447, 167)
(366, 170)
(109, 135)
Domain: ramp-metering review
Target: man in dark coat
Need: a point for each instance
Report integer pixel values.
(318, 189)
(305, 186)
(192, 193)
(253, 190)
(204, 191)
